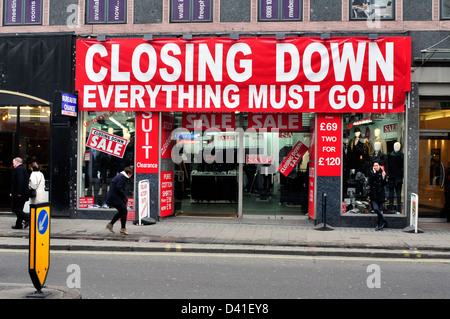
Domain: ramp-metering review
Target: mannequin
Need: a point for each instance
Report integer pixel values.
(378, 154)
(395, 175)
(357, 152)
(377, 138)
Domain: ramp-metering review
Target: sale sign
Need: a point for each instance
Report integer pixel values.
(107, 143)
(205, 121)
(166, 205)
(329, 145)
(260, 74)
(293, 158)
(270, 121)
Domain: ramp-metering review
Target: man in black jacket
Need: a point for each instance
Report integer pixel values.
(116, 198)
(19, 193)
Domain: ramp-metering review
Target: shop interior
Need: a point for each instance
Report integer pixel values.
(210, 180)
(369, 137)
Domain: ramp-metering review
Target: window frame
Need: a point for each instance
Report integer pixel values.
(106, 14)
(280, 12)
(368, 18)
(441, 6)
(191, 12)
(22, 14)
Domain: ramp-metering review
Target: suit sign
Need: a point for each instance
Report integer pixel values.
(39, 248)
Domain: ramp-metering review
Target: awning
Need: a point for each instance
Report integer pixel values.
(10, 98)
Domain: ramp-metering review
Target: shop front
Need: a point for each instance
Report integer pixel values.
(233, 128)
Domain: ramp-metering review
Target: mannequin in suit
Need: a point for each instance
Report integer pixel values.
(357, 152)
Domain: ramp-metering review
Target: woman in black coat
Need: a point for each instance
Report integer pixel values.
(377, 181)
(116, 198)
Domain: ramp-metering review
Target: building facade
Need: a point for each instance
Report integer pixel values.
(220, 162)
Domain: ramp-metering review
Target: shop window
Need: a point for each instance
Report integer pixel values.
(280, 10)
(445, 9)
(106, 11)
(191, 10)
(366, 138)
(104, 158)
(372, 9)
(22, 12)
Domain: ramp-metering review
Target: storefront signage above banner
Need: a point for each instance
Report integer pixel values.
(337, 75)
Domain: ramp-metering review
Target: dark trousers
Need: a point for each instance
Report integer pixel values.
(378, 208)
(122, 214)
(17, 208)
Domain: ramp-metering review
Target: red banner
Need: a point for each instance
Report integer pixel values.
(337, 75)
(107, 143)
(293, 158)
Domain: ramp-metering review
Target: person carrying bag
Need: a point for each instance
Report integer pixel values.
(37, 185)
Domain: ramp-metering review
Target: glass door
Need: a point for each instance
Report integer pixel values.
(434, 159)
(434, 173)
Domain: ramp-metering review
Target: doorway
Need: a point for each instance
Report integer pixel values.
(434, 159)
(6, 156)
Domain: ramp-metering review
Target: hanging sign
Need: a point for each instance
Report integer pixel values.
(298, 74)
(107, 143)
(293, 158)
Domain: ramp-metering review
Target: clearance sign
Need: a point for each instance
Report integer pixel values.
(250, 75)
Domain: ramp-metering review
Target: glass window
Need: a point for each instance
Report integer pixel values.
(280, 10)
(368, 137)
(276, 167)
(372, 9)
(106, 11)
(445, 9)
(22, 12)
(191, 10)
(98, 164)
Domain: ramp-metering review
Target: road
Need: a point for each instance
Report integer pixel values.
(234, 276)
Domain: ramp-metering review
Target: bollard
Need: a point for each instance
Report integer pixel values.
(324, 226)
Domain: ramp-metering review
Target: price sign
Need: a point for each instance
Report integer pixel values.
(329, 145)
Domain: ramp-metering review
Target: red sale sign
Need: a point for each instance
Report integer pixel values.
(298, 74)
(166, 198)
(293, 158)
(329, 144)
(107, 143)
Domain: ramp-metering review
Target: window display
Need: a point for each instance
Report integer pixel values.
(368, 138)
(107, 148)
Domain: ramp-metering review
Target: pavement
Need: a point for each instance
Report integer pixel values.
(290, 236)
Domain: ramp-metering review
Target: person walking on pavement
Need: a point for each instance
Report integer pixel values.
(19, 193)
(37, 182)
(116, 198)
(377, 181)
